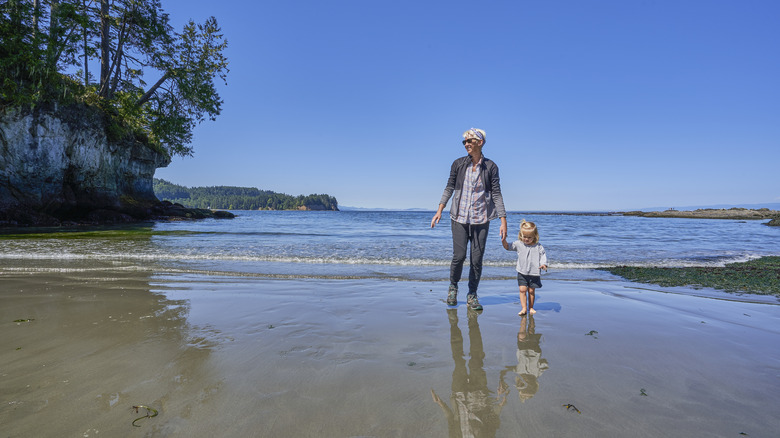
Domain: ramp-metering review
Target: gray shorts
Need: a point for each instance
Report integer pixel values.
(534, 281)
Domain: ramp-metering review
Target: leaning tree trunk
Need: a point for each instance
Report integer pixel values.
(86, 57)
(153, 89)
(105, 53)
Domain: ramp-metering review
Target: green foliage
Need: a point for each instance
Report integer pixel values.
(760, 276)
(239, 198)
(47, 49)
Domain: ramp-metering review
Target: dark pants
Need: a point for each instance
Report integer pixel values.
(474, 236)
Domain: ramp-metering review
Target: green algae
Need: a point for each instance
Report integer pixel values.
(759, 276)
(103, 232)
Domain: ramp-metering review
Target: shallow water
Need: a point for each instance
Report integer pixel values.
(396, 245)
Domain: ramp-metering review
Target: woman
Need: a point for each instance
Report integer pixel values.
(475, 190)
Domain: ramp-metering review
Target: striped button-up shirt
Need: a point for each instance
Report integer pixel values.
(473, 204)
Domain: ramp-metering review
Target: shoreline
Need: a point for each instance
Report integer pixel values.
(235, 356)
(19, 217)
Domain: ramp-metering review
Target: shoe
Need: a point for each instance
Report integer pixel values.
(473, 302)
(452, 295)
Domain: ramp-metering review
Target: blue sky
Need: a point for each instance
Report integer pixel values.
(587, 104)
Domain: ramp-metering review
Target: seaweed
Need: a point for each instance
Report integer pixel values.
(759, 276)
(571, 407)
(150, 412)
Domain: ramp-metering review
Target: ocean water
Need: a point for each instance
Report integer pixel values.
(381, 244)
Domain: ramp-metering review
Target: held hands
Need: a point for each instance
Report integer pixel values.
(502, 232)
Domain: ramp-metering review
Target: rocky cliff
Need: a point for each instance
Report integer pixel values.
(59, 164)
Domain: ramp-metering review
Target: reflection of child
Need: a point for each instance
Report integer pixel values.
(531, 259)
(530, 364)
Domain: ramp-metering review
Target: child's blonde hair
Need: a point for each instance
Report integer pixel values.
(529, 227)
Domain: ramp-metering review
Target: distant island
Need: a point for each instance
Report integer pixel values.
(713, 213)
(239, 198)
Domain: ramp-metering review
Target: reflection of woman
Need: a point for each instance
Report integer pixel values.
(474, 413)
(530, 364)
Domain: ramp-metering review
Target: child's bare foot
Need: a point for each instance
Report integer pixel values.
(533, 312)
(522, 313)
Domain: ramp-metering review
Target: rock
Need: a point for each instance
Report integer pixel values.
(166, 210)
(108, 217)
(313, 207)
(710, 213)
(774, 222)
(59, 165)
(222, 214)
(60, 162)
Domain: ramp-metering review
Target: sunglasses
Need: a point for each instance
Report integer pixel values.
(471, 140)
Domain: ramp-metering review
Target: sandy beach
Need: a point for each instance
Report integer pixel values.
(257, 357)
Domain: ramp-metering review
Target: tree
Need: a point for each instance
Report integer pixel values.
(44, 41)
(239, 198)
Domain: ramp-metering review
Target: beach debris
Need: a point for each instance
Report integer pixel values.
(18, 348)
(571, 407)
(642, 392)
(743, 433)
(411, 364)
(592, 333)
(270, 326)
(24, 320)
(149, 411)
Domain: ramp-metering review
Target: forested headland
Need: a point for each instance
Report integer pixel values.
(239, 198)
(94, 96)
(122, 56)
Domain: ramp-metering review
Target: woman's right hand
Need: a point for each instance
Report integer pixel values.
(436, 219)
(437, 216)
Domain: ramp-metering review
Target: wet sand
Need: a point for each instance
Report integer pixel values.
(254, 357)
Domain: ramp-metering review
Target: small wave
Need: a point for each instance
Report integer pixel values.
(701, 262)
(712, 261)
(226, 258)
(162, 272)
(262, 233)
(68, 270)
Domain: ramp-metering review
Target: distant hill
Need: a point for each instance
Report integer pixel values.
(345, 208)
(239, 198)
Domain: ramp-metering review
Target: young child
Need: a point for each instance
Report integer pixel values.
(531, 259)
